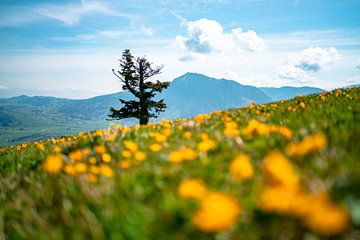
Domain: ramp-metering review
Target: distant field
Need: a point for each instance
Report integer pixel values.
(283, 170)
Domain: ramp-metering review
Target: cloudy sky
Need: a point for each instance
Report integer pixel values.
(68, 48)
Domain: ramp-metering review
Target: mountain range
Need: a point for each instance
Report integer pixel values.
(26, 118)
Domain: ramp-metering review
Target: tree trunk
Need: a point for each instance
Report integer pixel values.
(144, 119)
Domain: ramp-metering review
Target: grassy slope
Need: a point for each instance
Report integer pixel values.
(142, 202)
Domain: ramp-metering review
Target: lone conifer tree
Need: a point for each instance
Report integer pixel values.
(134, 74)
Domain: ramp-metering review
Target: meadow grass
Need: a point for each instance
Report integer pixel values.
(283, 170)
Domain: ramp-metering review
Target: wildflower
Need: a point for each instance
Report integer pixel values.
(204, 136)
(126, 153)
(70, 169)
(167, 132)
(188, 154)
(94, 169)
(217, 213)
(302, 104)
(124, 164)
(206, 145)
(106, 171)
(279, 170)
(111, 137)
(80, 167)
(40, 146)
(160, 138)
(308, 145)
(86, 152)
(100, 149)
(92, 160)
(277, 199)
(325, 217)
(241, 167)
(155, 147)
(175, 157)
(187, 134)
(140, 156)
(106, 157)
(56, 149)
(131, 146)
(53, 163)
(192, 189)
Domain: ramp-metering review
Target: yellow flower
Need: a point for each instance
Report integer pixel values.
(325, 217)
(187, 134)
(192, 189)
(126, 153)
(80, 167)
(167, 132)
(160, 138)
(217, 212)
(106, 157)
(206, 145)
(53, 164)
(76, 155)
(279, 170)
(86, 151)
(277, 199)
(241, 167)
(155, 147)
(111, 137)
(175, 157)
(100, 149)
(308, 145)
(94, 169)
(92, 160)
(140, 156)
(124, 164)
(40, 146)
(231, 129)
(106, 171)
(70, 170)
(188, 154)
(132, 146)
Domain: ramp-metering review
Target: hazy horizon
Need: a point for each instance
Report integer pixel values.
(68, 48)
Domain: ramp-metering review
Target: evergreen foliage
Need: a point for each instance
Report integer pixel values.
(135, 74)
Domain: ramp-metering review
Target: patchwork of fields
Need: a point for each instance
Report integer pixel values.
(283, 170)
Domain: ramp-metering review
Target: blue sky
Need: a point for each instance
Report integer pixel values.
(68, 48)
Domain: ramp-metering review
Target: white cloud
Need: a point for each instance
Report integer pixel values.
(71, 14)
(293, 73)
(314, 59)
(3, 87)
(298, 65)
(206, 36)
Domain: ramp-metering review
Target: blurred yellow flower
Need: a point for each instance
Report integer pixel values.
(308, 145)
(92, 178)
(188, 154)
(175, 157)
(80, 167)
(126, 153)
(124, 164)
(155, 147)
(192, 189)
(217, 212)
(106, 171)
(100, 149)
(206, 145)
(106, 157)
(53, 163)
(241, 167)
(70, 169)
(187, 134)
(132, 146)
(302, 104)
(76, 155)
(139, 156)
(279, 170)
